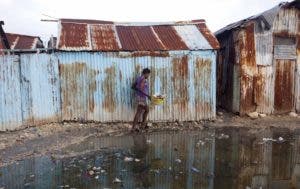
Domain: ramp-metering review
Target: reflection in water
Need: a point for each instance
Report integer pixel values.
(225, 158)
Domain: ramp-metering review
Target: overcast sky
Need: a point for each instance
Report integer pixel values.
(23, 16)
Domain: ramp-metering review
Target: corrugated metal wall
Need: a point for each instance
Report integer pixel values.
(263, 82)
(97, 86)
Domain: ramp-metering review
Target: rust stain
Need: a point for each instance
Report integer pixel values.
(202, 74)
(248, 68)
(259, 86)
(75, 77)
(103, 38)
(180, 82)
(150, 53)
(162, 74)
(284, 86)
(210, 37)
(73, 36)
(108, 89)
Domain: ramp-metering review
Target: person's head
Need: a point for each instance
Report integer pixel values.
(146, 72)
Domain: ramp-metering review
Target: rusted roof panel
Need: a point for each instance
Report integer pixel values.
(77, 35)
(19, 41)
(169, 38)
(212, 40)
(74, 37)
(138, 38)
(104, 38)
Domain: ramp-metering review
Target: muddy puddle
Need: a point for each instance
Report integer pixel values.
(222, 159)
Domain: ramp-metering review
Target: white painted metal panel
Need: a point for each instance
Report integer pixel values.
(192, 37)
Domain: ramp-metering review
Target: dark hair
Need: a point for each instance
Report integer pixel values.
(146, 71)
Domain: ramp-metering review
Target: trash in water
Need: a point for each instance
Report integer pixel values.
(116, 180)
(280, 139)
(97, 168)
(223, 136)
(137, 160)
(127, 159)
(102, 171)
(200, 142)
(170, 168)
(195, 170)
(269, 139)
(148, 141)
(91, 172)
(96, 177)
(31, 176)
(178, 160)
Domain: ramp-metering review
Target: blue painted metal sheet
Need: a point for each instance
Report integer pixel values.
(87, 86)
(40, 88)
(10, 95)
(96, 86)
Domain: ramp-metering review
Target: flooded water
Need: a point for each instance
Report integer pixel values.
(220, 159)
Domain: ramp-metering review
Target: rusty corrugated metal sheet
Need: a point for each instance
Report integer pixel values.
(284, 86)
(134, 38)
(10, 98)
(96, 86)
(264, 89)
(267, 86)
(246, 49)
(104, 38)
(208, 35)
(19, 41)
(76, 35)
(169, 38)
(32, 82)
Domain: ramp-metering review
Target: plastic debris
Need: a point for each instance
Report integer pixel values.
(149, 141)
(96, 177)
(200, 143)
(269, 139)
(117, 180)
(178, 160)
(137, 160)
(170, 168)
(127, 159)
(102, 171)
(91, 172)
(223, 136)
(280, 139)
(195, 170)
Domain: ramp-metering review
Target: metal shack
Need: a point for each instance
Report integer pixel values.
(89, 75)
(259, 62)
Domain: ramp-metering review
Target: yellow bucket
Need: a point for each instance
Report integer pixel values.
(157, 100)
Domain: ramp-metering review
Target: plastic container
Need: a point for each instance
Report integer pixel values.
(157, 100)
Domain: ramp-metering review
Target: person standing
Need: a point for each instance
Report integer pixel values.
(141, 86)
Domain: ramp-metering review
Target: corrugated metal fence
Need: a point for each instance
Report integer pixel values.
(83, 86)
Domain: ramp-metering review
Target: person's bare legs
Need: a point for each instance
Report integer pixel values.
(145, 116)
(137, 116)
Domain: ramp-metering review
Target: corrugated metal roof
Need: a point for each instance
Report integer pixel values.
(95, 35)
(267, 17)
(19, 41)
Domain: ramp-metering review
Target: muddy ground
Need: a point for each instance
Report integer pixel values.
(49, 139)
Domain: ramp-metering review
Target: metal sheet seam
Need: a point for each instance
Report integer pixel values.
(117, 36)
(157, 38)
(89, 40)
